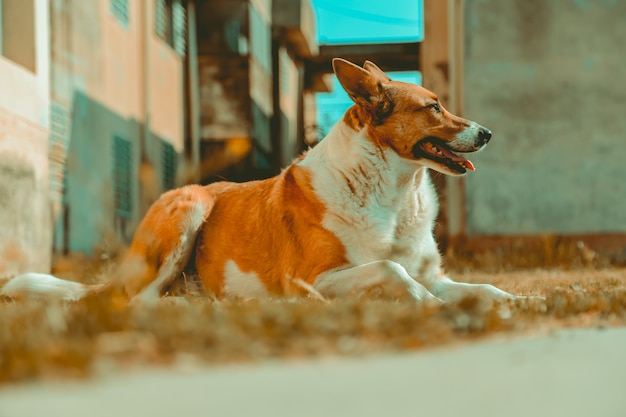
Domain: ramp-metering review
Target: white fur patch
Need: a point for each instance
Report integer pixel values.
(381, 196)
(239, 284)
(464, 140)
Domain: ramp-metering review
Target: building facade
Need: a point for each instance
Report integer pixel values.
(118, 106)
(107, 104)
(251, 56)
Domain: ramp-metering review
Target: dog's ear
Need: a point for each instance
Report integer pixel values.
(364, 87)
(373, 68)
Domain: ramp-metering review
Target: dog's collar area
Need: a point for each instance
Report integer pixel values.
(436, 150)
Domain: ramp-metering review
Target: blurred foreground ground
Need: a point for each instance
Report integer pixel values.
(569, 373)
(100, 357)
(101, 334)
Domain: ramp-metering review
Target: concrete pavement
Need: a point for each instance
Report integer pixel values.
(569, 373)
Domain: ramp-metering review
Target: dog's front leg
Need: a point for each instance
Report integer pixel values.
(427, 270)
(451, 291)
(378, 279)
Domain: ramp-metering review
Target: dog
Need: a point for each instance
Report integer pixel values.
(351, 217)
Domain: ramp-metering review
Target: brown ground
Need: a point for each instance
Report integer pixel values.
(75, 340)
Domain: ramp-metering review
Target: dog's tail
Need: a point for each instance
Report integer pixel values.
(46, 286)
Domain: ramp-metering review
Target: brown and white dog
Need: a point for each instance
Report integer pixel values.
(351, 217)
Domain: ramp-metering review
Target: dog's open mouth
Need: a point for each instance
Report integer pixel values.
(437, 151)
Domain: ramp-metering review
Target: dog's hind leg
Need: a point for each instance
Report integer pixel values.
(175, 261)
(378, 279)
(164, 242)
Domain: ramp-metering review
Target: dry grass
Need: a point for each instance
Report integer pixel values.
(102, 332)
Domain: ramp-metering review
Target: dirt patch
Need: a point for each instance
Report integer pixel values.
(75, 340)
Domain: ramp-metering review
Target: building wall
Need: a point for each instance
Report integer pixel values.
(224, 95)
(546, 77)
(236, 86)
(261, 79)
(25, 235)
(115, 81)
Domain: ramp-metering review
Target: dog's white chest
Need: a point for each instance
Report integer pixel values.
(379, 205)
(399, 231)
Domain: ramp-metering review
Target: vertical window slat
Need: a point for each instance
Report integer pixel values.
(57, 150)
(161, 19)
(170, 24)
(122, 187)
(119, 9)
(179, 27)
(168, 167)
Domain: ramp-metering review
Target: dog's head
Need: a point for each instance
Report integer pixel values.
(409, 119)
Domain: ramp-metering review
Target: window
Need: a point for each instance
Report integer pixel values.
(122, 164)
(170, 23)
(119, 9)
(17, 32)
(57, 150)
(179, 27)
(168, 167)
(162, 19)
(1, 27)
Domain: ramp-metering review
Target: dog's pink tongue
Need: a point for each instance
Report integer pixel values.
(460, 160)
(468, 164)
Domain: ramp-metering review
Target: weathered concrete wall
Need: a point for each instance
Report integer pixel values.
(548, 78)
(25, 228)
(25, 231)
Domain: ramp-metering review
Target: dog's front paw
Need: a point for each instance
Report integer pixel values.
(491, 296)
(530, 298)
(451, 291)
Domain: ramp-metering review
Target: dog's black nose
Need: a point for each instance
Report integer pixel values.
(484, 135)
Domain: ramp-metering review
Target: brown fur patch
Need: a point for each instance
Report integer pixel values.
(272, 228)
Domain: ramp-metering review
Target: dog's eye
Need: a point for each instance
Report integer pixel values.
(435, 107)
